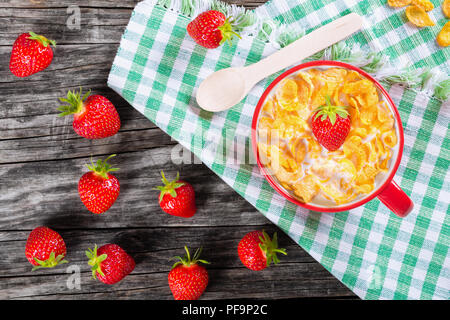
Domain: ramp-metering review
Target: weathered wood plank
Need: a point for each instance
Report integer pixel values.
(225, 284)
(63, 143)
(97, 25)
(297, 275)
(46, 193)
(228, 284)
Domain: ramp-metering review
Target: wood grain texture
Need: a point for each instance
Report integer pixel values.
(41, 160)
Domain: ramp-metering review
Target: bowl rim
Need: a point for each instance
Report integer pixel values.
(268, 176)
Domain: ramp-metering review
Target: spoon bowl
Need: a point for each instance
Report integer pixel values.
(221, 89)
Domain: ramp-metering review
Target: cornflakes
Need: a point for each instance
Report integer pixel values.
(305, 168)
(307, 189)
(398, 3)
(334, 75)
(417, 16)
(287, 95)
(424, 4)
(443, 38)
(446, 8)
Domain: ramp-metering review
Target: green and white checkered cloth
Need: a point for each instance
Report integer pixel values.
(376, 254)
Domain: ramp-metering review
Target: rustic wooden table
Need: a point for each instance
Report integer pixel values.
(41, 160)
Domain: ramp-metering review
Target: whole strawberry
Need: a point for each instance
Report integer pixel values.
(187, 279)
(211, 28)
(330, 125)
(110, 263)
(45, 248)
(30, 54)
(256, 250)
(177, 197)
(98, 189)
(95, 117)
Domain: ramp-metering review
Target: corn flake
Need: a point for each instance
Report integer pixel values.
(417, 16)
(390, 138)
(446, 8)
(306, 189)
(287, 95)
(398, 3)
(424, 4)
(365, 188)
(334, 75)
(299, 150)
(304, 92)
(443, 38)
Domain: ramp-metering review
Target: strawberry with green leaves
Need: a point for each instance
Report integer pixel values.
(98, 189)
(330, 125)
(211, 28)
(31, 53)
(187, 279)
(94, 116)
(257, 251)
(45, 248)
(177, 197)
(110, 263)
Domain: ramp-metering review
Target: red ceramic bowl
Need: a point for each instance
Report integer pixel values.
(387, 190)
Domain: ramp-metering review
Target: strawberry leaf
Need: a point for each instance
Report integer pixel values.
(270, 248)
(75, 103)
(51, 262)
(95, 261)
(187, 261)
(228, 32)
(330, 111)
(41, 39)
(169, 186)
(332, 117)
(102, 167)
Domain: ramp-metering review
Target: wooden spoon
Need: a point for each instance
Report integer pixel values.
(225, 88)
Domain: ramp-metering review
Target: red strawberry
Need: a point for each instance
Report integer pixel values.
(331, 125)
(256, 250)
(211, 28)
(110, 263)
(177, 197)
(95, 117)
(187, 279)
(45, 248)
(98, 189)
(30, 54)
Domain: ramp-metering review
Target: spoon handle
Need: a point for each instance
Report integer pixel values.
(304, 47)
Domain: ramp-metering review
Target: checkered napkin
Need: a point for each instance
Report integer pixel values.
(376, 254)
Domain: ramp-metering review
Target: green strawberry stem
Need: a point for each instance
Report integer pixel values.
(95, 261)
(227, 30)
(51, 262)
(186, 261)
(41, 39)
(270, 248)
(169, 186)
(330, 111)
(102, 167)
(75, 102)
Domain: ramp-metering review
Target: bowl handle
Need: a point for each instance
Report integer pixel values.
(396, 200)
